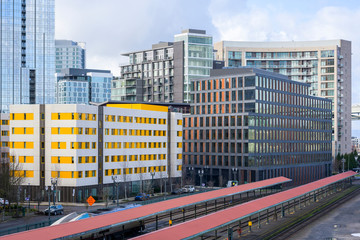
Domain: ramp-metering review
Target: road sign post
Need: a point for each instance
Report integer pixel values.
(90, 201)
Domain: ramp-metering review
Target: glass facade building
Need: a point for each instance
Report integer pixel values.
(325, 65)
(69, 54)
(253, 124)
(82, 86)
(198, 57)
(27, 53)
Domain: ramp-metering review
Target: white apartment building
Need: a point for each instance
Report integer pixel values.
(83, 146)
(325, 65)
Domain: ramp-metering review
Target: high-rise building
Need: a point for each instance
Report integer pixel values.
(325, 65)
(82, 86)
(164, 73)
(69, 54)
(27, 53)
(251, 124)
(84, 146)
(198, 57)
(150, 75)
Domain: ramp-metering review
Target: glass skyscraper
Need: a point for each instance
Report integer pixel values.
(27, 52)
(198, 57)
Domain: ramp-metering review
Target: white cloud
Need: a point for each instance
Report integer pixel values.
(268, 23)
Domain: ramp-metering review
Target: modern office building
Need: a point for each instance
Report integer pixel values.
(82, 86)
(163, 73)
(27, 52)
(84, 146)
(325, 65)
(251, 124)
(69, 54)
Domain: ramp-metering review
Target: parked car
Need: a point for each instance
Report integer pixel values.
(4, 202)
(188, 189)
(177, 191)
(54, 210)
(142, 197)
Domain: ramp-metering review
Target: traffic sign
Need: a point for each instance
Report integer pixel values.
(250, 223)
(90, 200)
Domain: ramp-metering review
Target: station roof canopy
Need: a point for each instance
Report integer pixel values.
(116, 219)
(211, 222)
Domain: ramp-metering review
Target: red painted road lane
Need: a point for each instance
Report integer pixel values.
(202, 224)
(67, 229)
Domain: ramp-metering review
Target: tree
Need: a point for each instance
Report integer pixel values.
(11, 178)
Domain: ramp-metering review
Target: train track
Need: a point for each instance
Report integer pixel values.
(282, 231)
(285, 231)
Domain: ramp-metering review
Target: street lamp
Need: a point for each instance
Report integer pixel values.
(234, 170)
(152, 173)
(343, 163)
(206, 168)
(201, 174)
(29, 196)
(116, 181)
(54, 187)
(191, 170)
(48, 189)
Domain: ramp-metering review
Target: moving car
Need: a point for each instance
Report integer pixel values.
(54, 210)
(188, 189)
(142, 197)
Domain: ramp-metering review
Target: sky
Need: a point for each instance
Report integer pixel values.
(113, 27)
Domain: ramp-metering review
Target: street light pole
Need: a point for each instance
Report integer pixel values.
(53, 186)
(152, 173)
(343, 164)
(234, 170)
(47, 189)
(191, 170)
(201, 174)
(206, 172)
(116, 183)
(29, 196)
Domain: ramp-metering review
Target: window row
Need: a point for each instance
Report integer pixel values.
(128, 119)
(136, 170)
(130, 158)
(73, 116)
(73, 130)
(118, 145)
(134, 132)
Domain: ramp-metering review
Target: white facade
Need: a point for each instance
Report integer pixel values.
(85, 145)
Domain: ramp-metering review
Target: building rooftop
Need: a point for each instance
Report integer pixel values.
(80, 72)
(281, 44)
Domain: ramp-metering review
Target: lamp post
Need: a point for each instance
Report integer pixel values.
(206, 172)
(53, 187)
(234, 170)
(29, 196)
(152, 173)
(191, 170)
(201, 174)
(116, 181)
(343, 164)
(48, 189)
